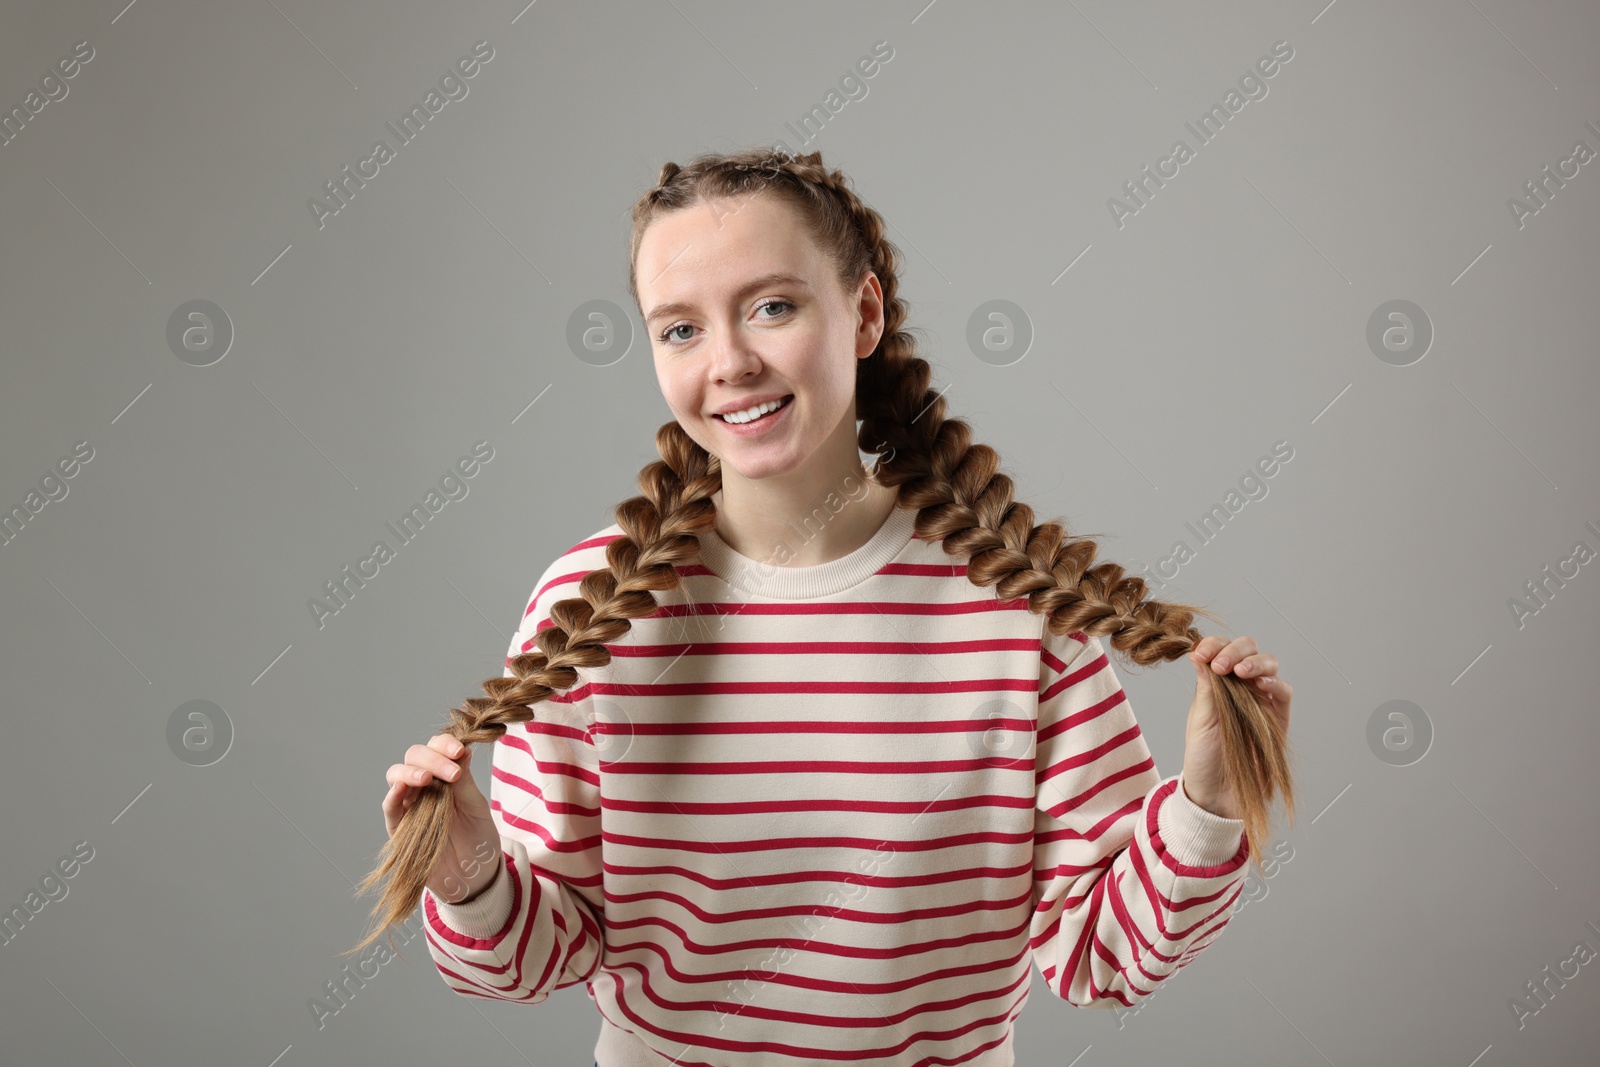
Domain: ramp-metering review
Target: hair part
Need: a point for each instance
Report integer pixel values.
(961, 498)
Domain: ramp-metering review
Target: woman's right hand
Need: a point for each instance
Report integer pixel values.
(472, 858)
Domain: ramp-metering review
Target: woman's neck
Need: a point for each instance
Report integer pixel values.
(834, 525)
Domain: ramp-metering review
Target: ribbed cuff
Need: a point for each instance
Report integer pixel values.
(1194, 836)
(486, 914)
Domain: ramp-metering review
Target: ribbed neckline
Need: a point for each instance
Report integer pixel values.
(767, 579)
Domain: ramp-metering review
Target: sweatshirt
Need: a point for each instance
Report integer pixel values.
(832, 814)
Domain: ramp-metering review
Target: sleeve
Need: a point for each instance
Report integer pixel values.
(539, 925)
(1131, 877)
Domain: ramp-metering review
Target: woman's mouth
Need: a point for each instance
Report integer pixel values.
(760, 424)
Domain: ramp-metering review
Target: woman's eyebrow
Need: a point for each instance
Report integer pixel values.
(773, 278)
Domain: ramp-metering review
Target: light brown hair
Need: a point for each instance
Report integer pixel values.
(961, 498)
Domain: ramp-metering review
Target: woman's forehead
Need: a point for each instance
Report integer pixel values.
(725, 220)
(694, 249)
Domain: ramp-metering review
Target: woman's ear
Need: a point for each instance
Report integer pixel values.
(869, 306)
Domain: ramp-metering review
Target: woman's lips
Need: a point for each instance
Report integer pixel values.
(761, 425)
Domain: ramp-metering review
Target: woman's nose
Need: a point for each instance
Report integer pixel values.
(732, 358)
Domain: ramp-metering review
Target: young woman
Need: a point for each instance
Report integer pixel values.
(798, 763)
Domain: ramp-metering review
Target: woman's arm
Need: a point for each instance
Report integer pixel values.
(1131, 878)
(539, 925)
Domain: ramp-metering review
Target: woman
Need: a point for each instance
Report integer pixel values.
(795, 762)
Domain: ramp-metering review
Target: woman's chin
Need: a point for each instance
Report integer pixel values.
(752, 469)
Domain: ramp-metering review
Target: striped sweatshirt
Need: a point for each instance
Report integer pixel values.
(832, 814)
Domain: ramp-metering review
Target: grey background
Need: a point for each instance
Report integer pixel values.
(1228, 314)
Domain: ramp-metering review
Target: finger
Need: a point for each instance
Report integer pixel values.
(402, 795)
(415, 776)
(1208, 646)
(1236, 650)
(393, 807)
(1259, 665)
(449, 746)
(1275, 691)
(435, 763)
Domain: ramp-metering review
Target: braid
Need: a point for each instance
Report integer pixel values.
(669, 170)
(659, 535)
(961, 499)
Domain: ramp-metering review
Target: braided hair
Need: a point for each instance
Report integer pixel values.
(961, 498)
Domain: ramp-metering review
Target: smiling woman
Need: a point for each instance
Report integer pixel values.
(749, 318)
(912, 728)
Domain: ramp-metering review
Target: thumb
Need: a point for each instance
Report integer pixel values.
(465, 784)
(1203, 675)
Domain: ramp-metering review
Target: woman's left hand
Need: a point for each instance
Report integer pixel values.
(1203, 771)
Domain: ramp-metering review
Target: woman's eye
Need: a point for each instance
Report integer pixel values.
(666, 336)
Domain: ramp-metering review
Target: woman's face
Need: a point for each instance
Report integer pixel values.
(726, 329)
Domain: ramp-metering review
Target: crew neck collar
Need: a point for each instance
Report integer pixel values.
(768, 579)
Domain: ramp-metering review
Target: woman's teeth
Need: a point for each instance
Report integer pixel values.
(752, 414)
